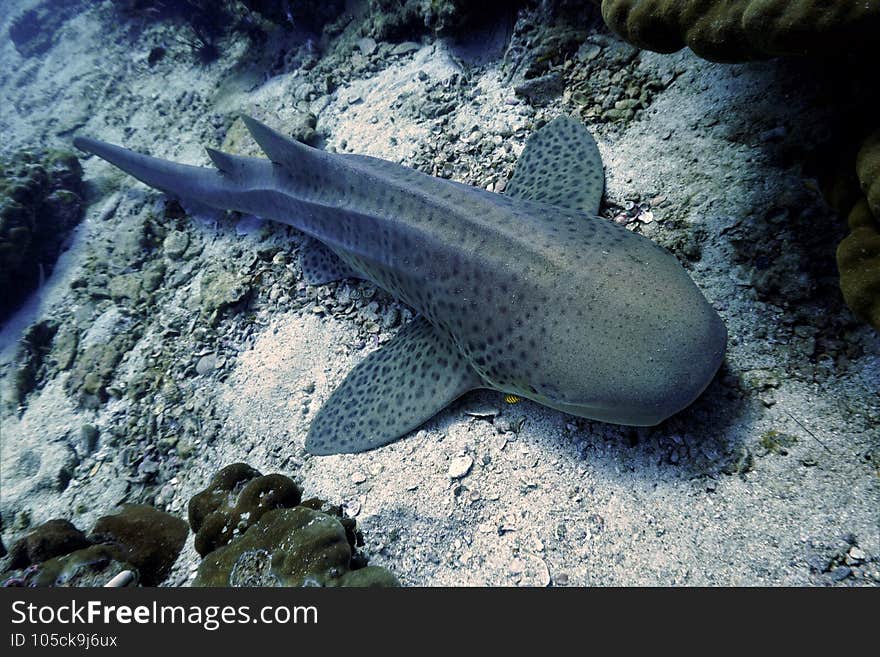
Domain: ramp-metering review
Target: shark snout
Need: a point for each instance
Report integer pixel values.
(664, 379)
(694, 364)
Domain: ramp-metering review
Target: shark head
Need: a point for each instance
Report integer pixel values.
(630, 341)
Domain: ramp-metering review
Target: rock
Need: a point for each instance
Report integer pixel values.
(175, 244)
(126, 287)
(34, 31)
(166, 494)
(152, 277)
(64, 346)
(123, 579)
(857, 554)
(367, 46)
(89, 567)
(254, 530)
(615, 114)
(304, 91)
(405, 48)
(460, 466)
(222, 290)
(302, 128)
(40, 203)
(741, 31)
(588, 52)
(393, 20)
(858, 255)
(139, 539)
(31, 358)
(541, 90)
(499, 442)
(95, 366)
(27, 472)
(88, 439)
(369, 577)
(206, 364)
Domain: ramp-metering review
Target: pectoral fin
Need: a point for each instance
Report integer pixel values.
(320, 265)
(393, 391)
(560, 166)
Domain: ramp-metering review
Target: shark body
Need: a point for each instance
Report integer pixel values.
(529, 292)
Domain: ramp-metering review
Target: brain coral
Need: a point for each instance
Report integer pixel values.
(149, 539)
(138, 538)
(255, 530)
(235, 499)
(868, 170)
(289, 547)
(736, 30)
(858, 256)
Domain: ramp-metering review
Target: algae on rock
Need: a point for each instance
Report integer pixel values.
(400, 19)
(221, 290)
(40, 203)
(91, 566)
(51, 539)
(149, 539)
(95, 366)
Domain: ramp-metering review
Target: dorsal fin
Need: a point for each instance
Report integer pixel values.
(224, 162)
(236, 167)
(278, 148)
(560, 166)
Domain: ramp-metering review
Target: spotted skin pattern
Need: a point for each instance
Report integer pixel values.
(529, 292)
(320, 265)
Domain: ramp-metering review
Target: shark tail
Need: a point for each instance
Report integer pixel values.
(180, 180)
(253, 185)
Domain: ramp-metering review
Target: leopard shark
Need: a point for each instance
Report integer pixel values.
(528, 292)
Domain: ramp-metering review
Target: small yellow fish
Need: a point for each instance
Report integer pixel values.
(512, 399)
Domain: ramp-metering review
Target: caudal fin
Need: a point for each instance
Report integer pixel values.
(224, 188)
(181, 180)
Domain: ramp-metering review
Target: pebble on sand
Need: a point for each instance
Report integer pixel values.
(460, 466)
(206, 364)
